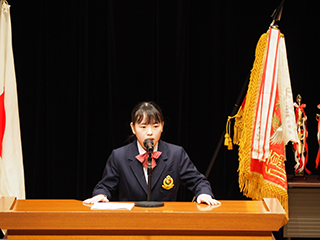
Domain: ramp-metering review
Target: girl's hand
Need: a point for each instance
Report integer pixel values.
(95, 199)
(204, 198)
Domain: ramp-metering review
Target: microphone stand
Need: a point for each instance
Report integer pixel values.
(149, 203)
(149, 171)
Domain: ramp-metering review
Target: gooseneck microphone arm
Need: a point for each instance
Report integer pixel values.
(148, 144)
(149, 171)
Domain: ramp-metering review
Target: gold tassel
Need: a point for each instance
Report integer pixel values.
(230, 145)
(227, 138)
(238, 126)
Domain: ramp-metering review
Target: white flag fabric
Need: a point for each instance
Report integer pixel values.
(11, 163)
(266, 101)
(285, 94)
(276, 73)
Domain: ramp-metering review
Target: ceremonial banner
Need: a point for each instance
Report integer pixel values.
(11, 164)
(267, 122)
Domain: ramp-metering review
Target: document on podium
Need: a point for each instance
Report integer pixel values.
(112, 206)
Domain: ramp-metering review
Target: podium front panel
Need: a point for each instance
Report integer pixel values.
(57, 219)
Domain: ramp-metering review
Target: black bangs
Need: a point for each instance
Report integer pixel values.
(149, 117)
(147, 111)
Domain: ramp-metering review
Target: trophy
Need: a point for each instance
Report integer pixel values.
(318, 137)
(301, 147)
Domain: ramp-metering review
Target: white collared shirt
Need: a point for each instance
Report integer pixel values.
(141, 150)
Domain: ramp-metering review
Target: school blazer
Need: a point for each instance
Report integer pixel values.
(123, 175)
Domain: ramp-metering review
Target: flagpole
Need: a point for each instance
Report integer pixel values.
(233, 112)
(277, 13)
(276, 16)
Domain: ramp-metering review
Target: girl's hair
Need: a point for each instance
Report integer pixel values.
(150, 110)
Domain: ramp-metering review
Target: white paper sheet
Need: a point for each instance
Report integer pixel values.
(112, 206)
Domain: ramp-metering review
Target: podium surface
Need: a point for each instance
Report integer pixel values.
(62, 219)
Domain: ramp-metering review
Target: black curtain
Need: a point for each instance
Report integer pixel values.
(82, 65)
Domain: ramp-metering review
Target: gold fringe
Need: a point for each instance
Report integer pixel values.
(259, 188)
(253, 185)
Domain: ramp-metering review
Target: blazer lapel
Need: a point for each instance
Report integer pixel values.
(161, 164)
(136, 166)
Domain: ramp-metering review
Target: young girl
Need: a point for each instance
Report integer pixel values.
(127, 175)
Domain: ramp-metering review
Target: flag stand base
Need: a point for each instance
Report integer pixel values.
(149, 204)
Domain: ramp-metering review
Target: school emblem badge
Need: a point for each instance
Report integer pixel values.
(168, 182)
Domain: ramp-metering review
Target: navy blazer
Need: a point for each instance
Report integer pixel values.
(124, 175)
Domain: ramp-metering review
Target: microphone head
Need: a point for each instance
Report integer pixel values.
(148, 144)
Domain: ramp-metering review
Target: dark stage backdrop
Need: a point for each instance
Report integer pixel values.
(82, 65)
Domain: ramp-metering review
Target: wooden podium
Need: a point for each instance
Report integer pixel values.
(66, 219)
(304, 207)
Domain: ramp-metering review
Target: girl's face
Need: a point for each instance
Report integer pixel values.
(143, 131)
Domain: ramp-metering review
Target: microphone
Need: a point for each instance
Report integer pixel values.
(148, 144)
